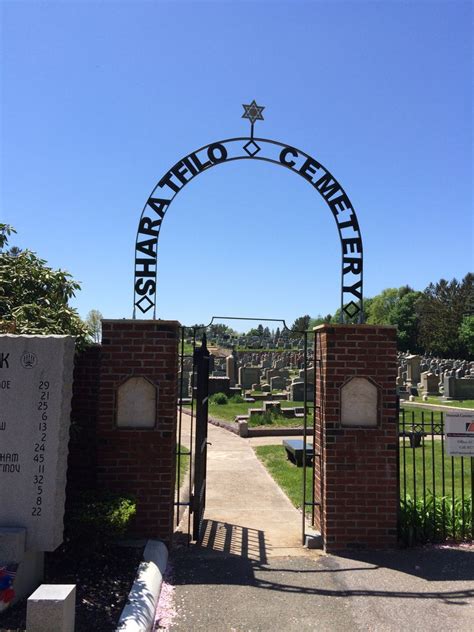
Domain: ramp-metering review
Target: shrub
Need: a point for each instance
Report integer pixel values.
(440, 518)
(236, 399)
(219, 398)
(98, 517)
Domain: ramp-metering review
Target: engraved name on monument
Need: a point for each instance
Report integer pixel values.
(35, 406)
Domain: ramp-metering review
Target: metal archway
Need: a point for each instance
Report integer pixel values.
(248, 148)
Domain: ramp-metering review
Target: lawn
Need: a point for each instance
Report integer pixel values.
(183, 463)
(420, 416)
(431, 478)
(466, 403)
(288, 476)
(229, 411)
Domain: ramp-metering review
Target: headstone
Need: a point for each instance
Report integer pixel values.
(219, 385)
(413, 370)
(277, 383)
(248, 376)
(231, 368)
(35, 398)
(430, 384)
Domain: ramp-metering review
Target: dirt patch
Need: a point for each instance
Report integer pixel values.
(103, 580)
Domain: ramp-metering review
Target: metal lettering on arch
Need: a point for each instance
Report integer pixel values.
(248, 148)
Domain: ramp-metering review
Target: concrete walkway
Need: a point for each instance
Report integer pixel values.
(246, 512)
(251, 574)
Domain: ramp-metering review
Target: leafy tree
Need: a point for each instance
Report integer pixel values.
(379, 308)
(441, 309)
(94, 322)
(319, 320)
(301, 324)
(5, 231)
(33, 297)
(466, 335)
(405, 316)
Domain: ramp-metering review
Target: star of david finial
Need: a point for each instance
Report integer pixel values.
(253, 112)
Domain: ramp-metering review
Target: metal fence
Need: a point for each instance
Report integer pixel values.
(436, 490)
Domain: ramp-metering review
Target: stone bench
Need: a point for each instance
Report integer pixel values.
(295, 451)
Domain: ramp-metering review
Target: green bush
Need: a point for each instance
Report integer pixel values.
(99, 517)
(219, 398)
(439, 518)
(236, 399)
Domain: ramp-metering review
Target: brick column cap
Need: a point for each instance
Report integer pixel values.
(328, 327)
(138, 321)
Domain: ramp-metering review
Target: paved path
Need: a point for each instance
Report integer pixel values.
(251, 574)
(246, 512)
(416, 589)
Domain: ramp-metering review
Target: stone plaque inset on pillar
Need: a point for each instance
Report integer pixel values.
(136, 403)
(359, 403)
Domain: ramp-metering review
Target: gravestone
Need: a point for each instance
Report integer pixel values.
(277, 383)
(248, 376)
(430, 383)
(219, 385)
(413, 370)
(231, 368)
(35, 405)
(35, 396)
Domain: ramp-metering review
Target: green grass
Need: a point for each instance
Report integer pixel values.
(228, 412)
(288, 476)
(188, 348)
(274, 419)
(183, 463)
(466, 403)
(427, 519)
(433, 481)
(418, 416)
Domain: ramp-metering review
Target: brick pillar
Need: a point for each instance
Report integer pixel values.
(357, 481)
(140, 462)
(81, 469)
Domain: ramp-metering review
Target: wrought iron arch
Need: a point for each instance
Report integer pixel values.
(249, 148)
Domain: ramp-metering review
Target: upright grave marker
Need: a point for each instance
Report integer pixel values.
(35, 404)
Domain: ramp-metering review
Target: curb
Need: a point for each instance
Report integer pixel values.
(138, 614)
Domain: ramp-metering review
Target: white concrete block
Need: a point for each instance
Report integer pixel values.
(51, 608)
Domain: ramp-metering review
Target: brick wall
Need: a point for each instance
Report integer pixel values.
(140, 462)
(357, 482)
(81, 473)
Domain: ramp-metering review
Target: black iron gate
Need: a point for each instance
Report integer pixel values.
(191, 444)
(201, 363)
(193, 393)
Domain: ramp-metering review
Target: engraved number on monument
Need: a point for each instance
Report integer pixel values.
(359, 403)
(40, 446)
(136, 403)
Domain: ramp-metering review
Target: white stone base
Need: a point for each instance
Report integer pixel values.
(51, 607)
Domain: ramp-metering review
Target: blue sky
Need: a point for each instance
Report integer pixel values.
(100, 99)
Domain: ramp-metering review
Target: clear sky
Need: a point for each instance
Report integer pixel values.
(101, 99)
